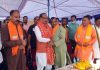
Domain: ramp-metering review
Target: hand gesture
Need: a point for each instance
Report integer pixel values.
(51, 43)
(79, 43)
(86, 44)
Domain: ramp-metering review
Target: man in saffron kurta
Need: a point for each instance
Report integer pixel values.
(84, 37)
(13, 41)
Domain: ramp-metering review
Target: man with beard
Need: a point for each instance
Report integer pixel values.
(26, 25)
(14, 42)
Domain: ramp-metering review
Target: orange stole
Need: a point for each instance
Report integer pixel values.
(82, 52)
(14, 35)
(46, 32)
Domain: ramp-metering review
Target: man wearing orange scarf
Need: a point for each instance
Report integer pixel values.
(44, 50)
(85, 37)
(13, 41)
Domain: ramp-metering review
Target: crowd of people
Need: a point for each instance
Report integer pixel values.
(49, 44)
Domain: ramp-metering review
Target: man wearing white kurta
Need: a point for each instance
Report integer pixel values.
(41, 56)
(96, 45)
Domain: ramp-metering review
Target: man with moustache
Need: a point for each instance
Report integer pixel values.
(44, 49)
(14, 42)
(85, 37)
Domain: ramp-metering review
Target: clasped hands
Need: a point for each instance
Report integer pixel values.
(21, 43)
(83, 44)
(51, 43)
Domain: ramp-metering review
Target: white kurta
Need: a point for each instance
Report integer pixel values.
(96, 51)
(96, 46)
(39, 35)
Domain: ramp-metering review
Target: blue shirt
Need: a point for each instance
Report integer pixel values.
(72, 27)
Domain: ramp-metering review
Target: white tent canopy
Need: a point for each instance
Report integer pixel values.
(58, 8)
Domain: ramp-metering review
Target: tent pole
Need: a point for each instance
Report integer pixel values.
(48, 8)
